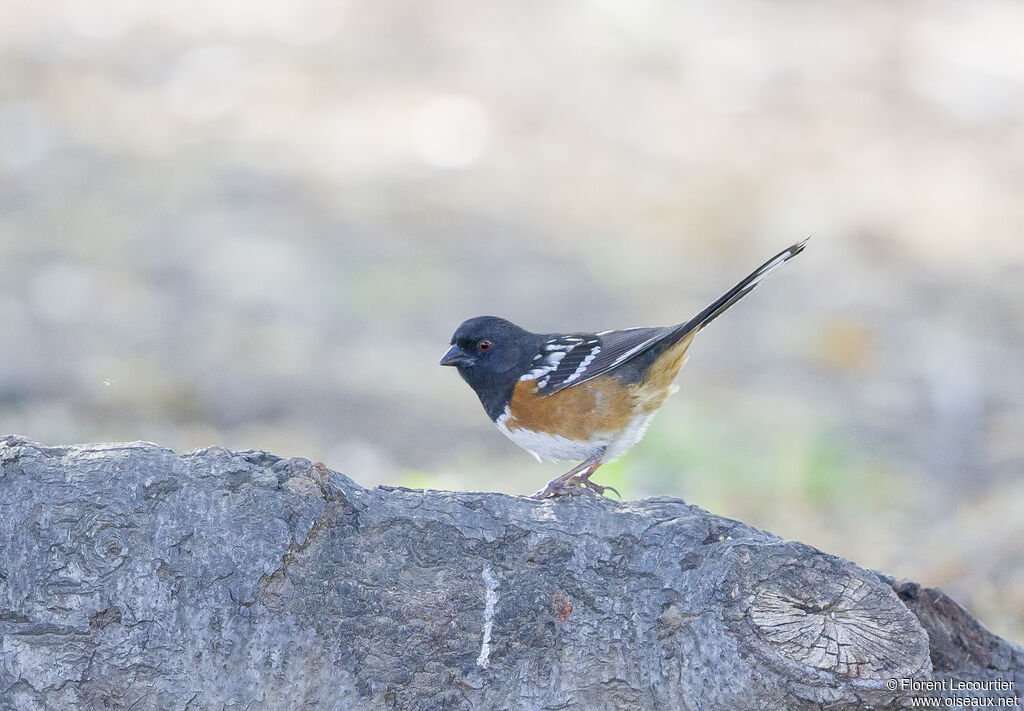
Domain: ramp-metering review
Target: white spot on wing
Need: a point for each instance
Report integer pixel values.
(550, 362)
(584, 364)
(490, 601)
(634, 350)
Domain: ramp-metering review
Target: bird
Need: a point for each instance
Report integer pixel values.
(585, 397)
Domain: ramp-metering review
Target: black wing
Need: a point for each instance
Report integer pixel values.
(566, 360)
(576, 358)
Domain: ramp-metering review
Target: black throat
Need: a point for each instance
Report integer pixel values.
(494, 381)
(496, 396)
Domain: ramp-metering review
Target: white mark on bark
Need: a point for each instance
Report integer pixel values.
(490, 600)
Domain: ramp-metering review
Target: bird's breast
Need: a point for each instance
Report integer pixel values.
(573, 424)
(604, 414)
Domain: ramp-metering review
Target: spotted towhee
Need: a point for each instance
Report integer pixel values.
(581, 396)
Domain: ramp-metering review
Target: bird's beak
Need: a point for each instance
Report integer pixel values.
(455, 356)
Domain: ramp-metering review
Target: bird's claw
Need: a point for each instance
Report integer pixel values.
(576, 486)
(599, 490)
(558, 488)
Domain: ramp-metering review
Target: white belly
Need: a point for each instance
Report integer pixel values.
(545, 446)
(630, 436)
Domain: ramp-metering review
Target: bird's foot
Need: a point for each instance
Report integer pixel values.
(574, 486)
(560, 487)
(575, 482)
(598, 489)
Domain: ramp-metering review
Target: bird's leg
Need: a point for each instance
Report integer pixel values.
(557, 487)
(566, 486)
(597, 488)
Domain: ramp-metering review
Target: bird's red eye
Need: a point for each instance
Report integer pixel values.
(484, 345)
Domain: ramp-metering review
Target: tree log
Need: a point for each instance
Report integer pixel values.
(135, 578)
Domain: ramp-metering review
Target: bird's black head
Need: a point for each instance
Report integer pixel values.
(490, 354)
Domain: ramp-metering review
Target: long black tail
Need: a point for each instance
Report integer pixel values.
(736, 293)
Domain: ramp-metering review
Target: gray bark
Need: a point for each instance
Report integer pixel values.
(134, 578)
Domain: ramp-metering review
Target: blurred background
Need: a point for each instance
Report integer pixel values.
(256, 224)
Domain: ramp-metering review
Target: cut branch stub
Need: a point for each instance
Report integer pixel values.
(824, 615)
